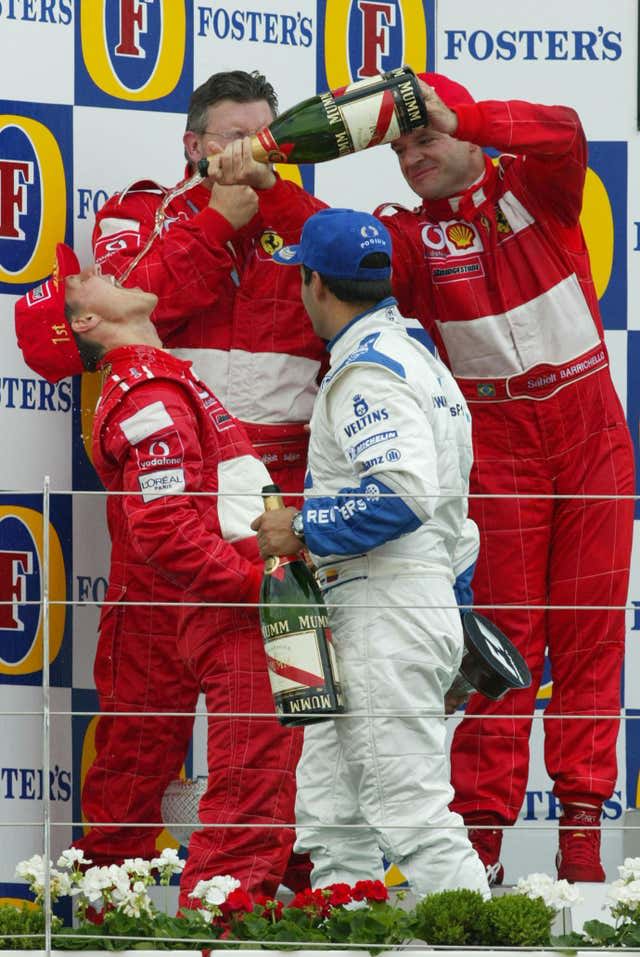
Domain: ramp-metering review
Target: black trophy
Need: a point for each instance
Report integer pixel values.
(491, 664)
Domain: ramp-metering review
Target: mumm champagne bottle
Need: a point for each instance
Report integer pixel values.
(297, 639)
(338, 122)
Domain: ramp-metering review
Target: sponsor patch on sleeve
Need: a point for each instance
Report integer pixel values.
(355, 450)
(157, 484)
(116, 235)
(163, 452)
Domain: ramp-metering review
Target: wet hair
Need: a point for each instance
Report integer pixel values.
(357, 290)
(233, 85)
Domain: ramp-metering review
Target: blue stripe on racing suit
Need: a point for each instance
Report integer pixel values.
(356, 520)
(463, 590)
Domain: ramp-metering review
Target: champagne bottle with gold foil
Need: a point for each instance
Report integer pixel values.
(297, 638)
(366, 113)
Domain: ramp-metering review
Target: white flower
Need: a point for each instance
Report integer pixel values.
(630, 870)
(168, 856)
(555, 894)
(625, 893)
(167, 864)
(137, 865)
(71, 857)
(206, 915)
(33, 872)
(216, 890)
(61, 884)
(135, 901)
(34, 867)
(99, 882)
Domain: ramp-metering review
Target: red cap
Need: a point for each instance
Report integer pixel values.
(44, 334)
(451, 93)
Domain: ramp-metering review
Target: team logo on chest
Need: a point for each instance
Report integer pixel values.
(450, 238)
(271, 242)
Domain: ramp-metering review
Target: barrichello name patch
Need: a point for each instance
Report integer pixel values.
(156, 484)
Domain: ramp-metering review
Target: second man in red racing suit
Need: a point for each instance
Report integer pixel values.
(497, 270)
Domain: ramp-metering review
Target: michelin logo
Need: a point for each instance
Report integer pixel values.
(156, 484)
(355, 450)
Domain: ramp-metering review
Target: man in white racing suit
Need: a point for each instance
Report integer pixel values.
(385, 520)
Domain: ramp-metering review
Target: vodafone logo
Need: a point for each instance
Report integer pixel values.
(433, 237)
(159, 448)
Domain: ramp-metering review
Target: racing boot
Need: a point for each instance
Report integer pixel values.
(487, 841)
(578, 857)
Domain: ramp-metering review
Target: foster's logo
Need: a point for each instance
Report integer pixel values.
(21, 581)
(32, 168)
(361, 38)
(139, 51)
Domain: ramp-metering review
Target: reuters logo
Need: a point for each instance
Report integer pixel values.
(366, 37)
(21, 587)
(134, 50)
(34, 199)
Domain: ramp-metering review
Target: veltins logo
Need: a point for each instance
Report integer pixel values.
(134, 51)
(21, 580)
(359, 38)
(34, 153)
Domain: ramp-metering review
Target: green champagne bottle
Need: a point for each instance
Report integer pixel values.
(297, 638)
(355, 117)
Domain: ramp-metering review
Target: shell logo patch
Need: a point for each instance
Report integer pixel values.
(460, 235)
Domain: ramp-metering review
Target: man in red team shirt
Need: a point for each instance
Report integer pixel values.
(204, 251)
(160, 434)
(494, 265)
(222, 302)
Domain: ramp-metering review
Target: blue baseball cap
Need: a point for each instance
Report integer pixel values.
(335, 241)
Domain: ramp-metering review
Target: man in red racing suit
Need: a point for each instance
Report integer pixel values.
(494, 265)
(161, 435)
(222, 302)
(224, 305)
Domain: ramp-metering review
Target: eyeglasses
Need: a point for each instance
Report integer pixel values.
(229, 136)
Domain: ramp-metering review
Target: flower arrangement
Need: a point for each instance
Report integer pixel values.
(114, 911)
(624, 903)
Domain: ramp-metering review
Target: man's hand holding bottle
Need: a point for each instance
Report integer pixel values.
(274, 532)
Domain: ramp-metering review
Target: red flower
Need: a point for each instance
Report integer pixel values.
(370, 890)
(238, 900)
(94, 916)
(340, 894)
(308, 898)
(271, 905)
